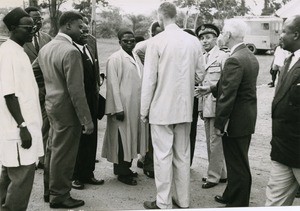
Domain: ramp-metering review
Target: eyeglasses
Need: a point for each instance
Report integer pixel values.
(29, 28)
(37, 19)
(85, 31)
(128, 41)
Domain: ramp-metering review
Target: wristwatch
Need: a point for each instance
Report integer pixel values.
(22, 125)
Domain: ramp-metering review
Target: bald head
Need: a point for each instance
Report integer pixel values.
(290, 36)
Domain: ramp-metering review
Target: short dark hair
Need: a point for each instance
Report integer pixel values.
(31, 9)
(69, 16)
(296, 24)
(123, 31)
(154, 26)
(190, 31)
(167, 9)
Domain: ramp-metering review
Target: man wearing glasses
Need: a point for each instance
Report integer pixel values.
(32, 49)
(21, 120)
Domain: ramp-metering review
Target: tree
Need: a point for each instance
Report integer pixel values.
(33, 3)
(86, 6)
(139, 24)
(270, 6)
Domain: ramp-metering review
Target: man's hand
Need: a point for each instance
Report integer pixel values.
(144, 118)
(88, 128)
(25, 138)
(219, 133)
(202, 90)
(120, 116)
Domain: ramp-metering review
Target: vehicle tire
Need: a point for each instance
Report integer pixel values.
(261, 52)
(252, 48)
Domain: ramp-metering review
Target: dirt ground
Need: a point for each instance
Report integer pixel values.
(114, 195)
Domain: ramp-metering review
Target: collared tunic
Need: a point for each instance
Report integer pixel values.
(16, 77)
(123, 93)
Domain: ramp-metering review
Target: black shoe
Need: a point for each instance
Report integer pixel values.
(94, 181)
(150, 205)
(97, 161)
(127, 180)
(133, 174)
(220, 181)
(46, 198)
(68, 203)
(220, 199)
(271, 83)
(40, 166)
(149, 173)
(140, 164)
(76, 184)
(209, 185)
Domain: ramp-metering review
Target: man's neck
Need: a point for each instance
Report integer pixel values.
(20, 42)
(168, 22)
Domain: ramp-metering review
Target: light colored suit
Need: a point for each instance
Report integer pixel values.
(172, 57)
(67, 109)
(214, 65)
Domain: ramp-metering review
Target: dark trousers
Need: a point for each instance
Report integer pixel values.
(274, 75)
(85, 162)
(15, 187)
(123, 167)
(60, 159)
(237, 192)
(193, 132)
(148, 162)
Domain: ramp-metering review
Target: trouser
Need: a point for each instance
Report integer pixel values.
(283, 185)
(237, 192)
(15, 187)
(171, 146)
(274, 75)
(85, 161)
(193, 132)
(216, 161)
(123, 167)
(64, 142)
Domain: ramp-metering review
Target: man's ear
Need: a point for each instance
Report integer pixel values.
(297, 35)
(68, 25)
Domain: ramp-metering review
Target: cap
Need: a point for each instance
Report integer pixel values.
(13, 17)
(207, 29)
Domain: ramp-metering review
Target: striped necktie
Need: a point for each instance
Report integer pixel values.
(36, 43)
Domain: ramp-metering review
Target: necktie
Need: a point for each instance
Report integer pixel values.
(286, 67)
(85, 53)
(207, 57)
(36, 44)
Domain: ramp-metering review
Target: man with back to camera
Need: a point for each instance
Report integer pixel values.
(285, 144)
(66, 106)
(172, 58)
(214, 63)
(236, 112)
(21, 120)
(32, 49)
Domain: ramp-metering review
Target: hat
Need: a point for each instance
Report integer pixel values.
(124, 31)
(13, 17)
(207, 29)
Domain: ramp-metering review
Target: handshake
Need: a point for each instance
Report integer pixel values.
(201, 90)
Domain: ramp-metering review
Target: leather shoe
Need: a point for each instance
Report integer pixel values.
(150, 205)
(209, 185)
(220, 199)
(127, 180)
(68, 203)
(140, 164)
(175, 203)
(46, 198)
(220, 181)
(76, 184)
(94, 181)
(149, 173)
(133, 174)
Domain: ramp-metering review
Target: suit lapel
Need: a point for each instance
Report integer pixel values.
(238, 48)
(212, 58)
(31, 47)
(285, 85)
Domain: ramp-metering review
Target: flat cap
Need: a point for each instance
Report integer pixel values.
(207, 29)
(13, 17)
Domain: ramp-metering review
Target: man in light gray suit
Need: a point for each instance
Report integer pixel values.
(66, 106)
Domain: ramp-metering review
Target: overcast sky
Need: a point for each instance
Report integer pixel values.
(135, 6)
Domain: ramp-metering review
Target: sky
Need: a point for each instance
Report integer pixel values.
(134, 6)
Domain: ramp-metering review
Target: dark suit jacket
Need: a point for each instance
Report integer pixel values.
(92, 45)
(30, 49)
(286, 119)
(236, 93)
(61, 64)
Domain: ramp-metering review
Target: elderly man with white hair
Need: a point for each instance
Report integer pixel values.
(236, 112)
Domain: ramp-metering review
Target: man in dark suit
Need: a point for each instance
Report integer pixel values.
(66, 106)
(32, 49)
(85, 162)
(236, 112)
(285, 152)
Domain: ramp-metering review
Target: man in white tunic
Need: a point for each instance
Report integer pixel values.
(21, 121)
(125, 133)
(172, 58)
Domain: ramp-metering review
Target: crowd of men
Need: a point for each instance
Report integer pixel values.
(155, 91)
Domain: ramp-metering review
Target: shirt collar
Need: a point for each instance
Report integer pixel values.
(79, 46)
(171, 26)
(212, 50)
(65, 36)
(297, 54)
(234, 47)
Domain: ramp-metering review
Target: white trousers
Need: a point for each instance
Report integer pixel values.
(283, 185)
(171, 144)
(216, 161)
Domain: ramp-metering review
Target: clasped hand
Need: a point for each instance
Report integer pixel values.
(201, 90)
